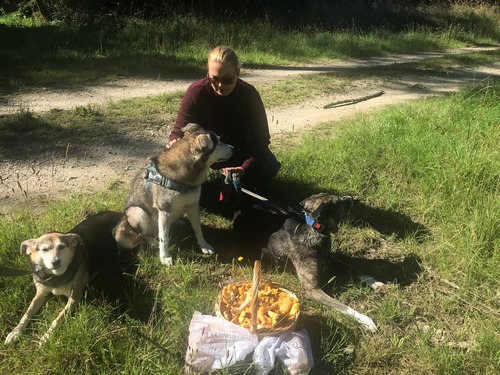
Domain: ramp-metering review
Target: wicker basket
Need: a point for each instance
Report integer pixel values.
(248, 294)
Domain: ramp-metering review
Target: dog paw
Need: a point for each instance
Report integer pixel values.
(371, 282)
(207, 249)
(43, 340)
(11, 337)
(167, 261)
(367, 323)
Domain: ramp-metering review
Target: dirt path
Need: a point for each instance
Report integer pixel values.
(61, 167)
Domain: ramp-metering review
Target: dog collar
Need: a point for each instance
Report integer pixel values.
(312, 219)
(313, 223)
(151, 174)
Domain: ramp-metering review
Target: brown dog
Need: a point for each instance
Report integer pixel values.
(63, 263)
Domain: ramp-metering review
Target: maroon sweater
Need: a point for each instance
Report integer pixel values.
(239, 119)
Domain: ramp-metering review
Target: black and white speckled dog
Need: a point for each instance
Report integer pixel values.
(303, 241)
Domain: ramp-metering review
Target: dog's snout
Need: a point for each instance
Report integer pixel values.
(56, 263)
(230, 149)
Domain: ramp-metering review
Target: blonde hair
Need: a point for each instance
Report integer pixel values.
(225, 55)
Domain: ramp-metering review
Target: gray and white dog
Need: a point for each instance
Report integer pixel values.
(304, 240)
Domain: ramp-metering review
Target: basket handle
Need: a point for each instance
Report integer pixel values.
(255, 294)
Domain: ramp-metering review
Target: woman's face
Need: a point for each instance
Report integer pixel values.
(223, 77)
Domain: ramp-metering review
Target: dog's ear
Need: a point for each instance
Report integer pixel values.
(204, 142)
(125, 235)
(27, 246)
(191, 128)
(309, 203)
(72, 239)
(317, 212)
(303, 203)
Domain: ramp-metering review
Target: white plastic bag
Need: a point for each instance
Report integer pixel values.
(292, 348)
(215, 343)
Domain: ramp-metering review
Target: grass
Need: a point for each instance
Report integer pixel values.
(426, 176)
(34, 54)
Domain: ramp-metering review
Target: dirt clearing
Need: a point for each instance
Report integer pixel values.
(65, 166)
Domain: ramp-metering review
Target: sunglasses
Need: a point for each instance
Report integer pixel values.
(224, 80)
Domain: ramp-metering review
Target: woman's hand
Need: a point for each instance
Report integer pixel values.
(231, 170)
(171, 142)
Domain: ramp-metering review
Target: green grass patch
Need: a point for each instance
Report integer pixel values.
(35, 54)
(427, 220)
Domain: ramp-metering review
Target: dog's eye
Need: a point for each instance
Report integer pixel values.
(61, 246)
(46, 248)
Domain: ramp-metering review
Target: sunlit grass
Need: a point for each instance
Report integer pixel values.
(44, 54)
(426, 177)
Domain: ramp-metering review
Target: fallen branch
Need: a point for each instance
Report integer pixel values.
(342, 103)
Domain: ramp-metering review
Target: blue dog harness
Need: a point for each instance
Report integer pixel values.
(313, 223)
(151, 175)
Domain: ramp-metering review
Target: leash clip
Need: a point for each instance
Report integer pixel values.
(236, 182)
(152, 175)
